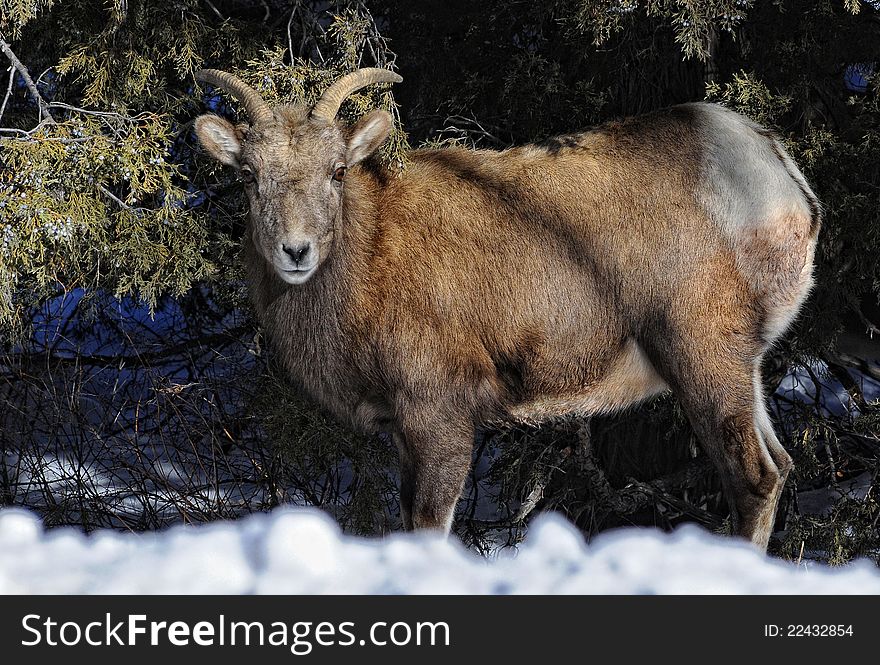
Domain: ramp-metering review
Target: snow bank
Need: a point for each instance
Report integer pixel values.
(302, 551)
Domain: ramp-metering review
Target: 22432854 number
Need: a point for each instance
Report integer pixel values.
(808, 630)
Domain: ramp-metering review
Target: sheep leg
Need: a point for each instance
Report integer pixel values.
(714, 381)
(434, 462)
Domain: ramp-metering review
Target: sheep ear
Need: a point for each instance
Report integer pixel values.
(367, 135)
(220, 139)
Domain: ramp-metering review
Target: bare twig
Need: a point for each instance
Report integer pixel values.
(110, 195)
(27, 134)
(636, 496)
(42, 105)
(8, 90)
(540, 482)
(216, 11)
(39, 79)
(471, 129)
(104, 114)
(289, 35)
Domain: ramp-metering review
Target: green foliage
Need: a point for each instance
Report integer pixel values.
(847, 532)
(746, 94)
(63, 228)
(14, 14)
(301, 83)
(694, 23)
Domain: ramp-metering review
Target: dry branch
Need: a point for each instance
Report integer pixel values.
(42, 105)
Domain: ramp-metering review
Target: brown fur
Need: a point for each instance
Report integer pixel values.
(580, 275)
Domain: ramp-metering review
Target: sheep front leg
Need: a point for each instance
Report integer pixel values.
(435, 456)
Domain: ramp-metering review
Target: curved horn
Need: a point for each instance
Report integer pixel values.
(257, 109)
(327, 107)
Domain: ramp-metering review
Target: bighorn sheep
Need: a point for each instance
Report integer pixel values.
(581, 275)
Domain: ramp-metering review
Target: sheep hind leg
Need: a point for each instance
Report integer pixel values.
(764, 425)
(730, 422)
(752, 480)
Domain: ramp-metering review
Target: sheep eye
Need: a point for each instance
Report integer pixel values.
(247, 176)
(339, 173)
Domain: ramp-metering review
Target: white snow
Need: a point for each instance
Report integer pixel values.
(302, 551)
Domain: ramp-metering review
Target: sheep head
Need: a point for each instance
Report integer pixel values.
(293, 162)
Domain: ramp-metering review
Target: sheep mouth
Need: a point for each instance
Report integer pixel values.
(296, 275)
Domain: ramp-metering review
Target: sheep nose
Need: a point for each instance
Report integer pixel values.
(298, 252)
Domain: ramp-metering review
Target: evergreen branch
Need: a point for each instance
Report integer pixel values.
(28, 81)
